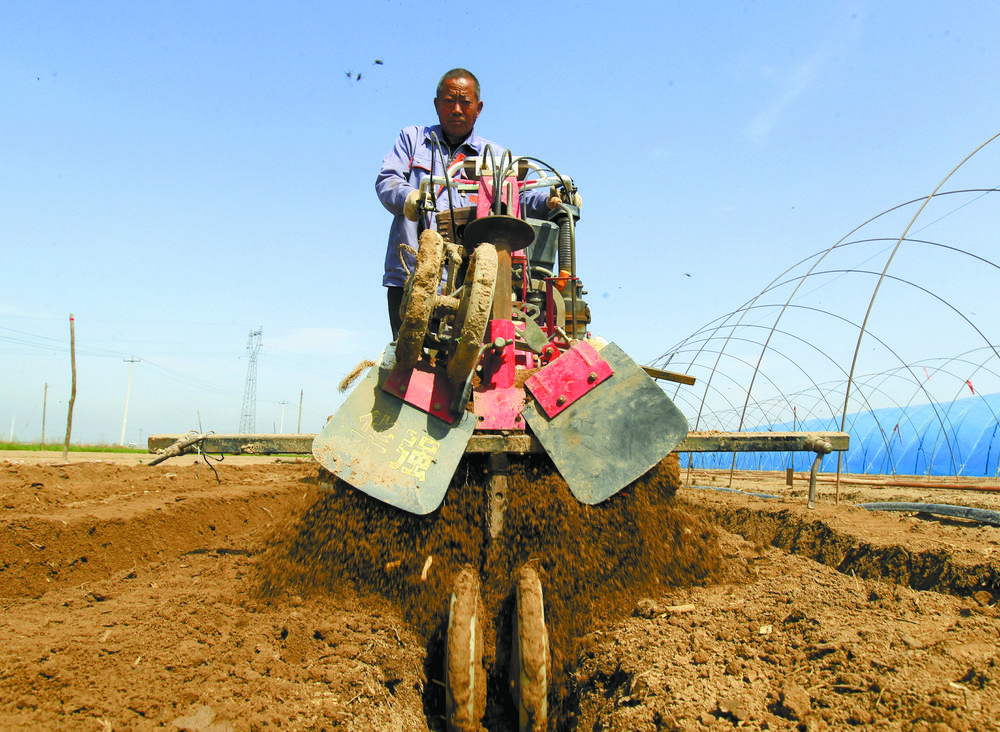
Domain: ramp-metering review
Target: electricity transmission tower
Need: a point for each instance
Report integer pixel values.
(248, 419)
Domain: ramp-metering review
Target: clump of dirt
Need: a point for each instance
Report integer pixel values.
(594, 561)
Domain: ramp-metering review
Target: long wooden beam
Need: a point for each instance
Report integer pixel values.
(235, 444)
(763, 441)
(301, 444)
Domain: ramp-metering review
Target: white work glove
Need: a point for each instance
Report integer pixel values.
(555, 199)
(411, 206)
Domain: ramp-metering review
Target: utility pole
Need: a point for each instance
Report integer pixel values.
(281, 430)
(128, 390)
(72, 393)
(298, 429)
(45, 404)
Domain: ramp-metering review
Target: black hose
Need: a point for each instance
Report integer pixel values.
(939, 509)
(500, 174)
(565, 244)
(437, 148)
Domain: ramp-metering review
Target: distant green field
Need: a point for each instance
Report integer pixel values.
(34, 446)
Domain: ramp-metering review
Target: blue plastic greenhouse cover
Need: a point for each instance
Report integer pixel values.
(956, 438)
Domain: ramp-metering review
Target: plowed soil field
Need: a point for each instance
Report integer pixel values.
(257, 593)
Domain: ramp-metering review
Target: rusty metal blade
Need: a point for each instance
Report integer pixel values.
(389, 449)
(611, 435)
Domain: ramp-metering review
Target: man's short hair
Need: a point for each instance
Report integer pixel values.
(458, 74)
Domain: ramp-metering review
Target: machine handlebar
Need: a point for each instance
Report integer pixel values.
(476, 167)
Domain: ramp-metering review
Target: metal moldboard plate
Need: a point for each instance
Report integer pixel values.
(390, 450)
(568, 378)
(611, 435)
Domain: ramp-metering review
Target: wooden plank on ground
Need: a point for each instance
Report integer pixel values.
(301, 444)
(236, 444)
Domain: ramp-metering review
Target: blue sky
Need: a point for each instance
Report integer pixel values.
(177, 174)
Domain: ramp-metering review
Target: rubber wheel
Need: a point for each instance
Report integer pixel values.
(529, 671)
(465, 677)
(473, 312)
(418, 299)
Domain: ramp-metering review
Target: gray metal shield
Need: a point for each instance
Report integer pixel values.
(392, 451)
(613, 434)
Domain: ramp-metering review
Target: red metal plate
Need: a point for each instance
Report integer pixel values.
(423, 387)
(484, 205)
(499, 367)
(568, 378)
(498, 409)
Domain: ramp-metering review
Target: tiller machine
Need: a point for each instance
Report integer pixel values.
(494, 347)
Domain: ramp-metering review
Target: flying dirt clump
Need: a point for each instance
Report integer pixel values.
(594, 561)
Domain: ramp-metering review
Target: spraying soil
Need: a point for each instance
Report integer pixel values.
(592, 560)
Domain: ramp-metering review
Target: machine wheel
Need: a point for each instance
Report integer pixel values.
(473, 312)
(529, 671)
(465, 677)
(418, 299)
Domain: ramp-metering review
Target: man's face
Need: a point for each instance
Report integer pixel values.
(457, 107)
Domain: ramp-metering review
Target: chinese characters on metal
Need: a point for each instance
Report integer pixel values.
(414, 454)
